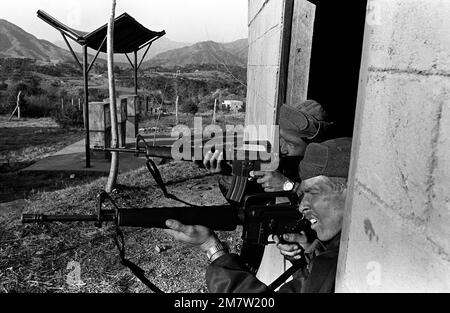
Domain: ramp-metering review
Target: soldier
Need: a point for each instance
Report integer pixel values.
(324, 172)
(299, 126)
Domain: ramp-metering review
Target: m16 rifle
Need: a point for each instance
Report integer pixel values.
(259, 221)
(250, 156)
(246, 157)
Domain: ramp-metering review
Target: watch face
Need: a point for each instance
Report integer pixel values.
(288, 186)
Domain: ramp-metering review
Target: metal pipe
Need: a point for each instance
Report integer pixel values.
(96, 56)
(135, 73)
(86, 106)
(71, 51)
(129, 61)
(145, 54)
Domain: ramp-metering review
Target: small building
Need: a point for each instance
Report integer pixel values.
(233, 105)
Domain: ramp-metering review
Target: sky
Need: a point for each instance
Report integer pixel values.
(183, 20)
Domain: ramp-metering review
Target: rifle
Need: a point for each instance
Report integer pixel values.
(258, 221)
(234, 191)
(245, 160)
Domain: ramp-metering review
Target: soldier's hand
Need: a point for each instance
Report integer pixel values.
(270, 181)
(292, 245)
(213, 162)
(199, 236)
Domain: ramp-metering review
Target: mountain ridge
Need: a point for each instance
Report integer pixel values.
(159, 46)
(17, 43)
(233, 53)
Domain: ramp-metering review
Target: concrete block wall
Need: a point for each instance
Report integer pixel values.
(396, 234)
(266, 24)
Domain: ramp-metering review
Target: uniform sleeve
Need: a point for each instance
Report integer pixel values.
(228, 275)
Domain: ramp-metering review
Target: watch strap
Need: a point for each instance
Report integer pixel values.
(217, 248)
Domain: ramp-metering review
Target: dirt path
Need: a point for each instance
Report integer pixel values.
(24, 142)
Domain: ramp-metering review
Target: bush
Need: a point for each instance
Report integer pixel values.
(5, 106)
(70, 117)
(189, 107)
(37, 106)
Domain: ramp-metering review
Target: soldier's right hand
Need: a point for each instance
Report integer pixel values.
(292, 245)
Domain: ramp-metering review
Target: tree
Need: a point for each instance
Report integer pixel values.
(112, 179)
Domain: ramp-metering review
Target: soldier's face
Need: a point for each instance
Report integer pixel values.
(291, 145)
(324, 206)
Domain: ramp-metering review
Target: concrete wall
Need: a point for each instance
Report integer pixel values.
(396, 234)
(266, 26)
(271, 22)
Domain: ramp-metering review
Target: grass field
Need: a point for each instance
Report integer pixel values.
(36, 258)
(45, 258)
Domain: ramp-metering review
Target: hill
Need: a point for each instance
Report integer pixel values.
(161, 45)
(202, 53)
(17, 43)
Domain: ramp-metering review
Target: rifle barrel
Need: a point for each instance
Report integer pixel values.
(41, 218)
(221, 218)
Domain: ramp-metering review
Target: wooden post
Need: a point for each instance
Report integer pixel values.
(72, 103)
(176, 111)
(79, 104)
(17, 107)
(214, 113)
(62, 104)
(114, 171)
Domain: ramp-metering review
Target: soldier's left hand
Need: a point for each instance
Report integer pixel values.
(270, 181)
(199, 236)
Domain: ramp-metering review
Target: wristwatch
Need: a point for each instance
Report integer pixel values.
(219, 248)
(288, 186)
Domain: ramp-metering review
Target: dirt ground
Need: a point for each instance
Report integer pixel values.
(25, 142)
(79, 257)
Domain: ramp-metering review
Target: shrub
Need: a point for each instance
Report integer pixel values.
(189, 107)
(38, 106)
(70, 117)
